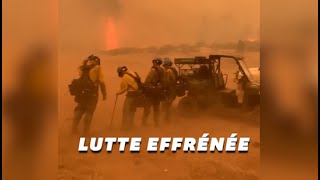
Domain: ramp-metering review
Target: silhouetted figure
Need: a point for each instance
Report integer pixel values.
(27, 109)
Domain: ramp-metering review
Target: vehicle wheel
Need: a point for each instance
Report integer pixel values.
(188, 107)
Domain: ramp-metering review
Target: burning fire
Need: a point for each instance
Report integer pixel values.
(251, 40)
(111, 34)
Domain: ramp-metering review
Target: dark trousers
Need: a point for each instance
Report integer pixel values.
(155, 105)
(85, 108)
(167, 104)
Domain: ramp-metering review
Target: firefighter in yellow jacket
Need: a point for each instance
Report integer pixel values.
(87, 102)
(130, 86)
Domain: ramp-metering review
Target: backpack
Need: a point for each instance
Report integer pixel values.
(160, 73)
(181, 84)
(174, 71)
(137, 79)
(140, 98)
(157, 89)
(83, 86)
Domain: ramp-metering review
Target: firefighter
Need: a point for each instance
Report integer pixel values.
(239, 79)
(170, 80)
(154, 91)
(130, 86)
(92, 78)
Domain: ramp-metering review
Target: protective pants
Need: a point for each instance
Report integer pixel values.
(128, 112)
(85, 107)
(155, 104)
(167, 104)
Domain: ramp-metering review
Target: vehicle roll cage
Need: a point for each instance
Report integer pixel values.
(213, 62)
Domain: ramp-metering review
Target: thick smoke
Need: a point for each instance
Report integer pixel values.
(143, 23)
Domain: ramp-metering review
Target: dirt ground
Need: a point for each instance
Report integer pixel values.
(143, 165)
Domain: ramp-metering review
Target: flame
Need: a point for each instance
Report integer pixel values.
(111, 34)
(251, 40)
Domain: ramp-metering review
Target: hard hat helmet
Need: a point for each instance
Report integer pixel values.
(94, 58)
(121, 69)
(167, 61)
(157, 60)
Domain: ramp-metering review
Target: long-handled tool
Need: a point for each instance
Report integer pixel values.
(114, 108)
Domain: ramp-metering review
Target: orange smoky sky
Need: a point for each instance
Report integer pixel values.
(111, 24)
(181, 21)
(104, 24)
